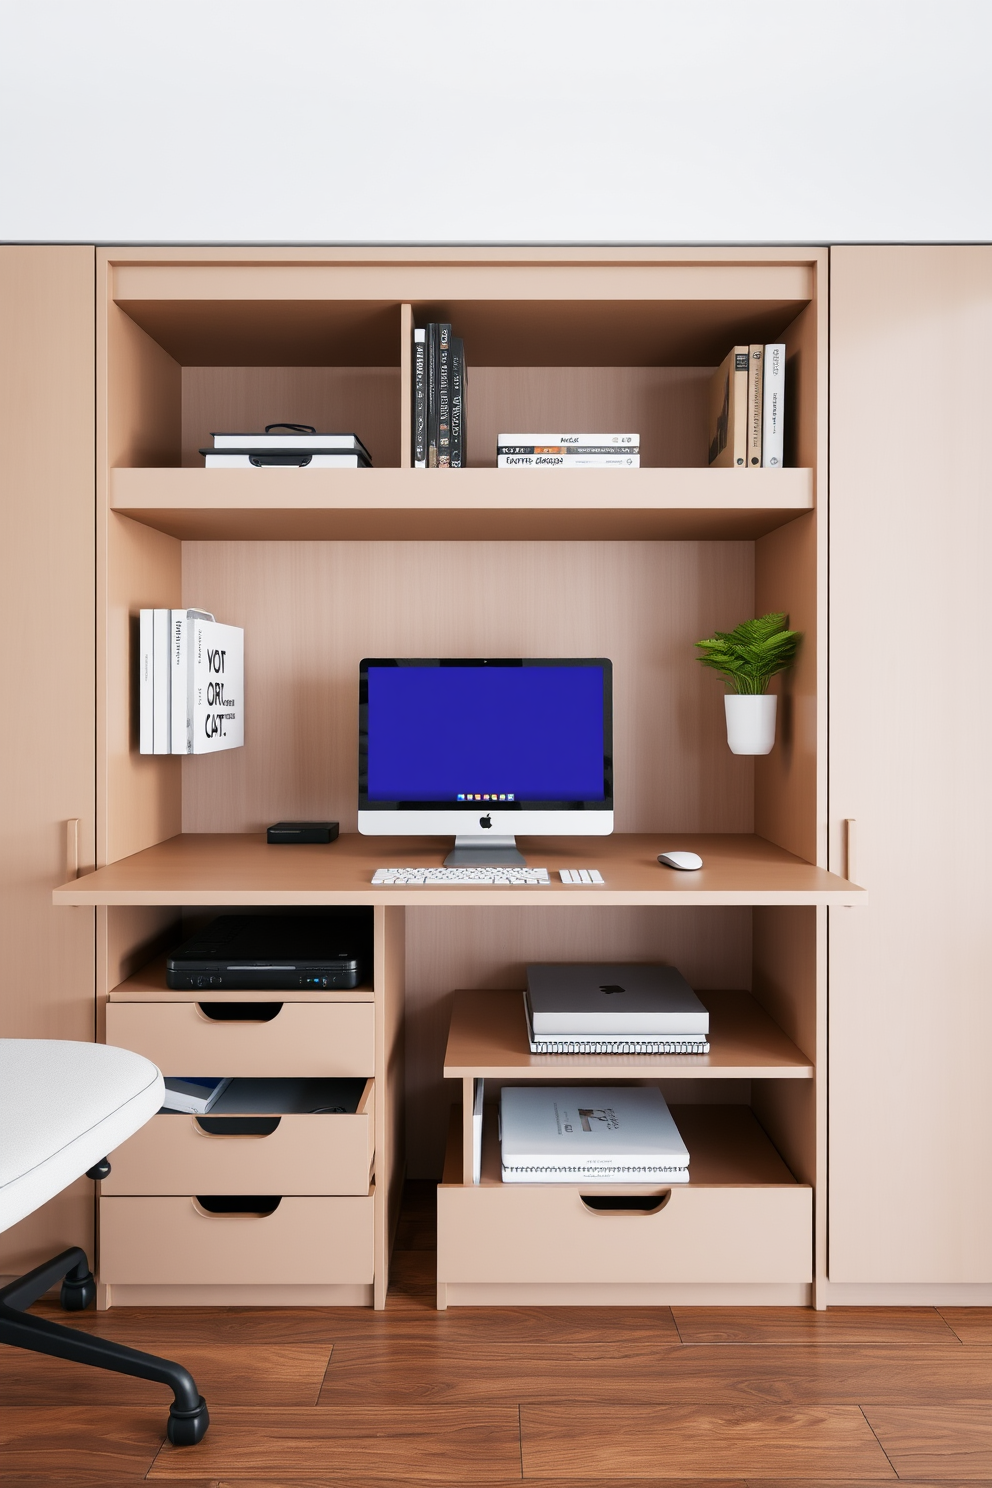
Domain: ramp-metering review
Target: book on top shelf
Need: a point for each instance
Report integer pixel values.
(755, 378)
(419, 390)
(568, 451)
(728, 410)
(439, 383)
(773, 407)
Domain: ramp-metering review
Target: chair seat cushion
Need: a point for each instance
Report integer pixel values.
(64, 1106)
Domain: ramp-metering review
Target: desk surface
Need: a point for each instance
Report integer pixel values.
(242, 868)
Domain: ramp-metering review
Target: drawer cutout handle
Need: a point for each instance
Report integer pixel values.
(236, 1126)
(237, 1206)
(626, 1203)
(239, 1012)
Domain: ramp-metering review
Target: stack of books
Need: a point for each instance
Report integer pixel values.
(566, 451)
(190, 683)
(747, 408)
(589, 1134)
(287, 444)
(440, 380)
(613, 1010)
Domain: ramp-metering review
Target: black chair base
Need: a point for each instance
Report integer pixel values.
(188, 1417)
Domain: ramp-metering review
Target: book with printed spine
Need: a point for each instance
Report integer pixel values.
(146, 683)
(589, 1134)
(432, 352)
(755, 379)
(444, 395)
(300, 436)
(161, 707)
(728, 411)
(572, 460)
(419, 392)
(530, 444)
(458, 381)
(192, 1095)
(181, 721)
(773, 407)
(215, 679)
(305, 459)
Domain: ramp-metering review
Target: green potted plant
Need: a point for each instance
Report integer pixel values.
(748, 657)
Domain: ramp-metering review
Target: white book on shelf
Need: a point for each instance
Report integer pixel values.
(344, 443)
(181, 720)
(589, 1134)
(477, 1109)
(318, 460)
(215, 681)
(194, 1096)
(628, 460)
(773, 407)
(161, 683)
(146, 682)
(528, 443)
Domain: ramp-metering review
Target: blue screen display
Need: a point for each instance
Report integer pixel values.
(485, 734)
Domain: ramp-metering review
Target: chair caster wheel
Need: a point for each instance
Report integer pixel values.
(76, 1296)
(186, 1428)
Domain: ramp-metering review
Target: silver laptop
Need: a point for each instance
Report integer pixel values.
(613, 1009)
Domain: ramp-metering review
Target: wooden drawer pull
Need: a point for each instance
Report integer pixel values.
(625, 1203)
(236, 1126)
(237, 1206)
(239, 1012)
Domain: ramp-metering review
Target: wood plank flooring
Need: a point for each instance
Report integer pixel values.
(570, 1397)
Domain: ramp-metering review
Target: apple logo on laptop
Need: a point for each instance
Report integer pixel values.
(485, 821)
(611, 989)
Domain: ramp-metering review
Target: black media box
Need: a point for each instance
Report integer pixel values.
(302, 832)
(316, 953)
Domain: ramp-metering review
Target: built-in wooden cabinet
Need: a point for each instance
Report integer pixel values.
(324, 567)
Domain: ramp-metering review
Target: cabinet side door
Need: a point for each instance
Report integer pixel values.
(910, 700)
(47, 742)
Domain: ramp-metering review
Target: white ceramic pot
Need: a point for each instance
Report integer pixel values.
(750, 722)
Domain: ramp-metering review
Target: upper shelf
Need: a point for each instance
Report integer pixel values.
(215, 869)
(488, 1039)
(474, 504)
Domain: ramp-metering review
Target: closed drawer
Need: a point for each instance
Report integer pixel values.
(304, 1154)
(304, 1038)
(173, 1241)
(547, 1234)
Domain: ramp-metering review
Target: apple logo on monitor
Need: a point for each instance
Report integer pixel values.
(485, 821)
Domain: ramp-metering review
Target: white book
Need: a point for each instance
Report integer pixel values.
(146, 689)
(477, 1109)
(569, 461)
(589, 1134)
(181, 721)
(194, 1096)
(161, 683)
(773, 407)
(531, 442)
(315, 461)
(349, 443)
(215, 679)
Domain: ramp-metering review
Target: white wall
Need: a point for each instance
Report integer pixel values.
(538, 120)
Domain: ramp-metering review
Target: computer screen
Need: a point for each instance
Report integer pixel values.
(485, 744)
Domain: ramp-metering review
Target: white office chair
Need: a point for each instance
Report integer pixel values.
(62, 1107)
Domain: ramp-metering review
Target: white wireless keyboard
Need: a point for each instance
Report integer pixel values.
(477, 877)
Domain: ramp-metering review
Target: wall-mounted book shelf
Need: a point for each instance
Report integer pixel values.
(677, 504)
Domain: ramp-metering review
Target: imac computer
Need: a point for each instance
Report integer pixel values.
(484, 749)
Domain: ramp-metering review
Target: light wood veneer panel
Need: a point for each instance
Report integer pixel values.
(679, 505)
(241, 868)
(911, 526)
(173, 1242)
(488, 1038)
(47, 754)
(303, 1039)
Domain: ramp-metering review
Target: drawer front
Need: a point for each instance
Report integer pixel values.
(304, 1155)
(546, 1234)
(171, 1242)
(304, 1038)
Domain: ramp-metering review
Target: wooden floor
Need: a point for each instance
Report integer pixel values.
(611, 1397)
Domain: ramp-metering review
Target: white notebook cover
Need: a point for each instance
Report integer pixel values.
(589, 1134)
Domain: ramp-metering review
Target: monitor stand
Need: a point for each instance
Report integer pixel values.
(485, 852)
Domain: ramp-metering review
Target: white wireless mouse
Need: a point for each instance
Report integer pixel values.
(680, 860)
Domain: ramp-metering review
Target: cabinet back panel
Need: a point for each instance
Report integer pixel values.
(311, 611)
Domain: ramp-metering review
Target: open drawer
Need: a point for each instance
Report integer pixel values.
(289, 1152)
(307, 1039)
(182, 1241)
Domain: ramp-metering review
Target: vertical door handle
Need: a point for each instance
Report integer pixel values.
(72, 848)
(851, 849)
